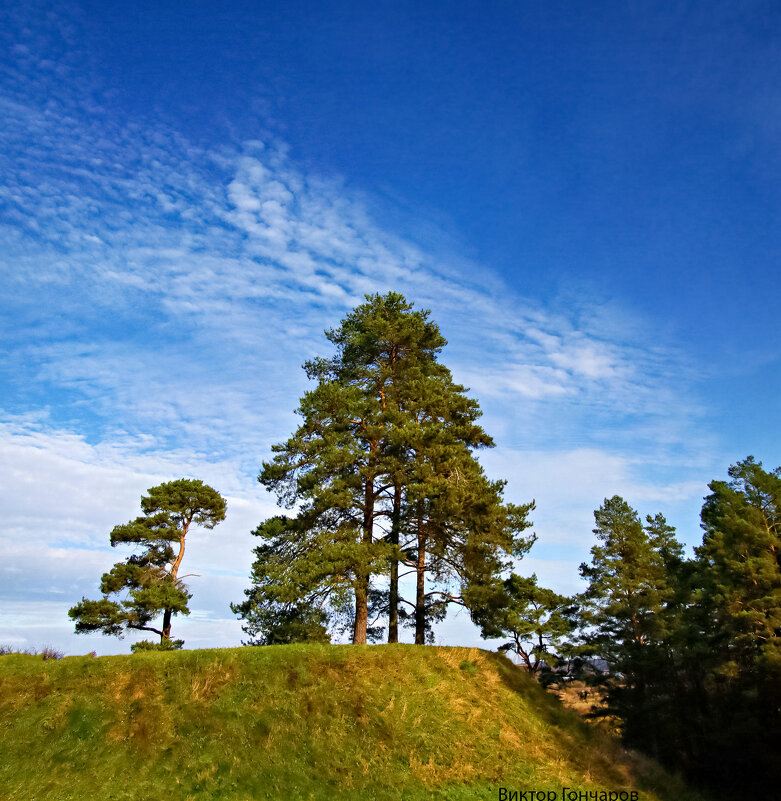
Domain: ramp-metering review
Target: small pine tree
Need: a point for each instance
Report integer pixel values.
(537, 620)
(149, 579)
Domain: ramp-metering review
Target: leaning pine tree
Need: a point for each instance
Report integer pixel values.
(147, 584)
(375, 457)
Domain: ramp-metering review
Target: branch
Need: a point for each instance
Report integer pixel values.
(144, 628)
(456, 599)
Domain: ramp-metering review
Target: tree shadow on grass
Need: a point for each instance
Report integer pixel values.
(591, 751)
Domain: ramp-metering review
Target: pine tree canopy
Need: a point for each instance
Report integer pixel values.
(741, 564)
(147, 584)
(381, 473)
(536, 619)
(629, 578)
(627, 614)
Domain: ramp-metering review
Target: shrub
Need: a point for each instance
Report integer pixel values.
(5, 650)
(148, 645)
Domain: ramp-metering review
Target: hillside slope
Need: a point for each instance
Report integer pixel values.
(298, 722)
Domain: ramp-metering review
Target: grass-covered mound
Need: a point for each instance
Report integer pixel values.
(297, 722)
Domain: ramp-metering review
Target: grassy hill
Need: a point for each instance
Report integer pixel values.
(298, 722)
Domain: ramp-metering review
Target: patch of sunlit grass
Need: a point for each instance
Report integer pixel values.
(310, 722)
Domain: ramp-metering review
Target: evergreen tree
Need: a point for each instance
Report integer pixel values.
(536, 619)
(374, 460)
(740, 557)
(390, 352)
(150, 579)
(626, 613)
(289, 596)
(694, 645)
(460, 533)
(330, 469)
(735, 631)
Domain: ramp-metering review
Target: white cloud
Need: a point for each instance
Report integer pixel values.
(160, 298)
(63, 497)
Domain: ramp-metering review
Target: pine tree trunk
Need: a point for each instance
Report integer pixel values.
(167, 614)
(166, 635)
(420, 596)
(393, 601)
(362, 577)
(361, 610)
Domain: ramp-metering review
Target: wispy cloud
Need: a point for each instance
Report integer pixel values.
(160, 296)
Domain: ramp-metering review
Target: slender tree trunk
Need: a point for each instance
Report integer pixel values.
(362, 575)
(361, 610)
(393, 601)
(420, 596)
(166, 633)
(180, 555)
(167, 613)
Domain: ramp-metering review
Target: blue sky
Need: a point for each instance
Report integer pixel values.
(587, 200)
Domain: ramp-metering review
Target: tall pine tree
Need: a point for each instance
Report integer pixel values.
(625, 613)
(734, 629)
(384, 449)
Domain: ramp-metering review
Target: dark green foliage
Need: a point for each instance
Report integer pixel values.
(627, 613)
(731, 637)
(739, 561)
(695, 645)
(455, 528)
(381, 474)
(629, 579)
(295, 624)
(164, 645)
(282, 604)
(149, 579)
(537, 620)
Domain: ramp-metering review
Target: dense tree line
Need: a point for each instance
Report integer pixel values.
(693, 646)
(686, 652)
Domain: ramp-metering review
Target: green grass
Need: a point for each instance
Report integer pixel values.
(298, 722)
